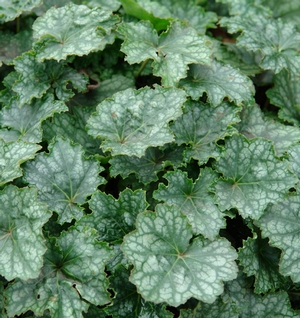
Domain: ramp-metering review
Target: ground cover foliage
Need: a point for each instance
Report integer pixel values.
(149, 158)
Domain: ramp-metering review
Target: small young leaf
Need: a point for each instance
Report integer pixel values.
(64, 178)
(172, 51)
(72, 275)
(201, 126)
(133, 120)
(12, 154)
(84, 30)
(194, 200)
(25, 122)
(218, 81)
(167, 267)
(252, 177)
(281, 223)
(21, 239)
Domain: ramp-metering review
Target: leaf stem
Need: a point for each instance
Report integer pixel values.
(141, 68)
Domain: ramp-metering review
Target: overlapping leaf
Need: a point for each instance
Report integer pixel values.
(147, 167)
(172, 51)
(201, 126)
(194, 200)
(252, 177)
(278, 41)
(294, 159)
(168, 267)
(72, 275)
(286, 95)
(114, 218)
(218, 81)
(64, 178)
(25, 123)
(12, 154)
(129, 121)
(21, 238)
(255, 124)
(84, 30)
(281, 223)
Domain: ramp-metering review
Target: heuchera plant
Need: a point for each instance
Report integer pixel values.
(149, 158)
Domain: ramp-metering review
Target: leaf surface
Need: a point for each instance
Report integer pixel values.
(252, 177)
(129, 123)
(12, 154)
(72, 275)
(194, 200)
(218, 81)
(201, 126)
(64, 178)
(84, 30)
(167, 267)
(172, 51)
(25, 122)
(21, 238)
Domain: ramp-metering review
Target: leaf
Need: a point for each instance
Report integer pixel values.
(218, 81)
(129, 123)
(73, 128)
(73, 274)
(135, 9)
(201, 126)
(112, 5)
(277, 41)
(281, 223)
(84, 30)
(12, 155)
(167, 268)
(172, 51)
(286, 95)
(114, 218)
(21, 238)
(64, 178)
(2, 302)
(11, 10)
(193, 200)
(25, 122)
(253, 305)
(252, 177)
(147, 167)
(128, 303)
(254, 124)
(294, 159)
(258, 258)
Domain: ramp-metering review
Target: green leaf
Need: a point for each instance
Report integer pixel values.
(246, 7)
(254, 124)
(135, 9)
(25, 122)
(168, 268)
(218, 309)
(12, 45)
(2, 302)
(172, 51)
(73, 128)
(258, 258)
(73, 274)
(286, 95)
(112, 5)
(114, 218)
(21, 238)
(281, 223)
(194, 200)
(129, 121)
(201, 126)
(128, 303)
(9, 10)
(147, 167)
(218, 81)
(294, 159)
(12, 154)
(252, 177)
(277, 41)
(64, 178)
(84, 30)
